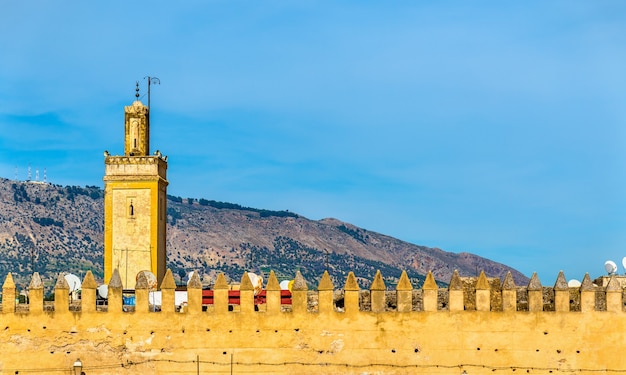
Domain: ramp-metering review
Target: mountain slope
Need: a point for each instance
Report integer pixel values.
(50, 229)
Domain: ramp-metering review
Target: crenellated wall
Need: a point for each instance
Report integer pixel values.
(490, 327)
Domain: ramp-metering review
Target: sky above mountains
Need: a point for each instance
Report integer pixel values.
(495, 128)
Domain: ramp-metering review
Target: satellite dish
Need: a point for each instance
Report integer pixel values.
(73, 281)
(103, 291)
(624, 262)
(284, 285)
(150, 278)
(189, 276)
(610, 267)
(573, 283)
(257, 282)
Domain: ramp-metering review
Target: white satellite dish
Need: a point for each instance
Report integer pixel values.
(257, 282)
(189, 276)
(103, 291)
(624, 263)
(573, 283)
(284, 285)
(150, 278)
(610, 267)
(73, 281)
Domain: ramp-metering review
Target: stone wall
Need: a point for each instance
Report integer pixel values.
(476, 326)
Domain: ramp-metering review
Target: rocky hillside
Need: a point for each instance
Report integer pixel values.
(50, 229)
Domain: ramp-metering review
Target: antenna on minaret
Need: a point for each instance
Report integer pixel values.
(37, 174)
(45, 178)
(30, 175)
(154, 80)
(137, 90)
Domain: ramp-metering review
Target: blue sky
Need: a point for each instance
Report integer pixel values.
(489, 127)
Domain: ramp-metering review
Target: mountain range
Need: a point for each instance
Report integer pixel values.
(51, 228)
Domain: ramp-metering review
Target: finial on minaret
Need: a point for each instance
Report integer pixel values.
(137, 91)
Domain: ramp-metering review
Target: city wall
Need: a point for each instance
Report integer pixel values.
(499, 329)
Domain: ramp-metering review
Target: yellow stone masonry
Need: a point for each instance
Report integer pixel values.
(317, 334)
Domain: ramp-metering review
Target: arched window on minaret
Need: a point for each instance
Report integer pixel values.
(131, 209)
(134, 133)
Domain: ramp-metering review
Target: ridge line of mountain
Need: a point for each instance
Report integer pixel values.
(51, 228)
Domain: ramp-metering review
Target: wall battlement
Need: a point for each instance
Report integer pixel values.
(480, 329)
(462, 294)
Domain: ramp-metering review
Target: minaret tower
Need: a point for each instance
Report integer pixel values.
(135, 196)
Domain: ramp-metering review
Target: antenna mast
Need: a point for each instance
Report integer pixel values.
(154, 80)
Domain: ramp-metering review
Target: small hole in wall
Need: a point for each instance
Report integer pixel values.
(275, 331)
(28, 330)
(477, 348)
(578, 352)
(208, 329)
(297, 329)
(5, 328)
(416, 350)
(545, 332)
(257, 331)
(152, 332)
(52, 352)
(183, 331)
(224, 353)
(44, 327)
(68, 352)
(230, 331)
(125, 332)
(320, 351)
(495, 350)
(393, 350)
(558, 351)
(537, 350)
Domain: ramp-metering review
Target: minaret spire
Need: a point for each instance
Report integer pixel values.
(137, 127)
